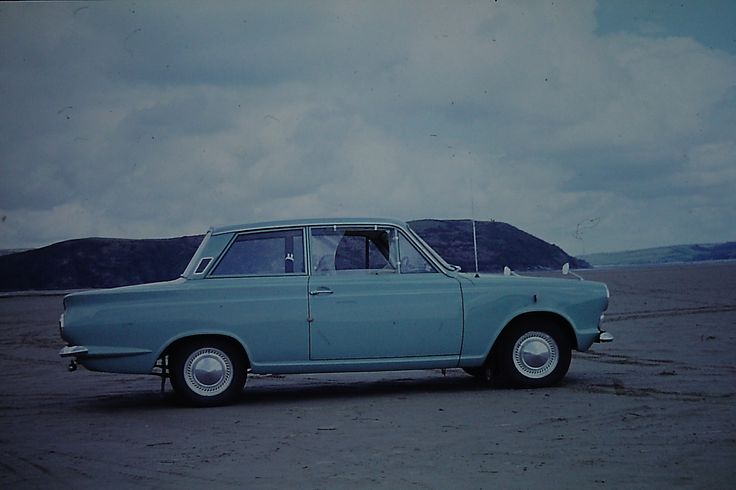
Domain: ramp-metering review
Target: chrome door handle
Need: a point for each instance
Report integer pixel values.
(322, 290)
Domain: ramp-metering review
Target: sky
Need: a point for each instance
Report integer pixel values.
(597, 126)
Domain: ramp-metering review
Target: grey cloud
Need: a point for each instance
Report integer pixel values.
(163, 118)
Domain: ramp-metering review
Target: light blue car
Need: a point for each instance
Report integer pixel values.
(331, 295)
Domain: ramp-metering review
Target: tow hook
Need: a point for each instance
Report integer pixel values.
(72, 366)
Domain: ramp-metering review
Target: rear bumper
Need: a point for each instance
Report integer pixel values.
(73, 351)
(109, 359)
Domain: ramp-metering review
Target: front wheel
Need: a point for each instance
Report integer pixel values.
(207, 373)
(534, 354)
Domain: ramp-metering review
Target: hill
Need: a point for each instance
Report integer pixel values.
(499, 244)
(109, 262)
(96, 263)
(665, 255)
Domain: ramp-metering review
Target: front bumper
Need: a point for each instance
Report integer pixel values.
(602, 336)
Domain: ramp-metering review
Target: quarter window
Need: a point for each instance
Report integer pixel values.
(412, 261)
(267, 253)
(203, 264)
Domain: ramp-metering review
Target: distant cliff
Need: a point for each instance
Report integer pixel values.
(109, 262)
(666, 255)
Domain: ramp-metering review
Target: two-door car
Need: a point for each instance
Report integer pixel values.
(330, 295)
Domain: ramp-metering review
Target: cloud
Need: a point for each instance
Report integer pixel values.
(162, 119)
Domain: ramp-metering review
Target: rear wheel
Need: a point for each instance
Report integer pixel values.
(208, 372)
(535, 354)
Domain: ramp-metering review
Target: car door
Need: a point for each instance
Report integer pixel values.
(259, 286)
(364, 304)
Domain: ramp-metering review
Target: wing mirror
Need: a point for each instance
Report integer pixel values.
(566, 270)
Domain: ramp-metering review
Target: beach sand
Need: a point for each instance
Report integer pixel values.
(654, 409)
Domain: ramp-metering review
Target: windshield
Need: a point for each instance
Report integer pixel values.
(432, 251)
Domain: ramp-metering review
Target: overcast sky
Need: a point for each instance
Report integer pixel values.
(595, 127)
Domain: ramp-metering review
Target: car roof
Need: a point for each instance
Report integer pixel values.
(306, 222)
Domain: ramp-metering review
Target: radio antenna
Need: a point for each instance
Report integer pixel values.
(475, 240)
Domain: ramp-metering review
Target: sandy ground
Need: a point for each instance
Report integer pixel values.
(654, 409)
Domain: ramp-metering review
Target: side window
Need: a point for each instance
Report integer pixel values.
(412, 261)
(351, 249)
(267, 253)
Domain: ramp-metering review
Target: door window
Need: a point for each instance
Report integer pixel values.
(337, 249)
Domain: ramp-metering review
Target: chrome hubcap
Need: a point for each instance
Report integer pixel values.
(536, 354)
(208, 371)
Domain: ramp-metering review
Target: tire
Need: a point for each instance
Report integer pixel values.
(535, 354)
(208, 372)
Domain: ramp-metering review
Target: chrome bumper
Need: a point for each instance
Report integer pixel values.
(602, 336)
(73, 350)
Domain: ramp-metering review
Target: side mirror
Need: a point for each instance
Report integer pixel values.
(566, 270)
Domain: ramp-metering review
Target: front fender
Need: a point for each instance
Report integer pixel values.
(491, 303)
